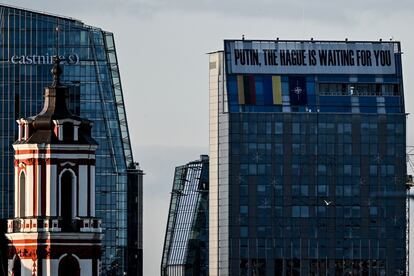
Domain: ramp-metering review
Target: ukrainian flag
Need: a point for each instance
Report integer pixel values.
(272, 90)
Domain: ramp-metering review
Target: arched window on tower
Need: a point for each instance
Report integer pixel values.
(17, 267)
(67, 199)
(22, 199)
(69, 266)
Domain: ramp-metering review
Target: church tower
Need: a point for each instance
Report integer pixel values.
(54, 230)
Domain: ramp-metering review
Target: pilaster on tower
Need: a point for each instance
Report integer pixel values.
(54, 230)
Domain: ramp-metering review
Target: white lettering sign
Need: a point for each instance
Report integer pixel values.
(308, 57)
(44, 59)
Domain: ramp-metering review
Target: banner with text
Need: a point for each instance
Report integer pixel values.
(308, 57)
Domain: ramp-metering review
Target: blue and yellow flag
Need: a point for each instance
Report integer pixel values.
(272, 87)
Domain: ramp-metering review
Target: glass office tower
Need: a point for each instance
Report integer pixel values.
(185, 250)
(307, 159)
(28, 41)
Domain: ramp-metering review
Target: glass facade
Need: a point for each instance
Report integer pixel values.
(28, 41)
(307, 171)
(186, 238)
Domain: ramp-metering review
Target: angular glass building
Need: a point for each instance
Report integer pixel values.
(28, 41)
(307, 159)
(185, 250)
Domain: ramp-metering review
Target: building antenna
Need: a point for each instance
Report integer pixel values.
(57, 29)
(56, 70)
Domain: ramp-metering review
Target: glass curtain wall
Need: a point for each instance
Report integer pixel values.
(186, 240)
(307, 171)
(28, 41)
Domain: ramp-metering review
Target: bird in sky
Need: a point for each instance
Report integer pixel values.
(327, 202)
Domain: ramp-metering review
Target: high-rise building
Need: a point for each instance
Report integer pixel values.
(28, 41)
(186, 239)
(135, 211)
(307, 158)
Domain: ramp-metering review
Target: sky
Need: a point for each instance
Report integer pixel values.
(162, 48)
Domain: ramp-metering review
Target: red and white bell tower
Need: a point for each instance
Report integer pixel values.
(54, 230)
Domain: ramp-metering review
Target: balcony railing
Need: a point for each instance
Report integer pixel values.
(54, 224)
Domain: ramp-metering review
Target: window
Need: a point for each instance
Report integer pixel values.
(347, 190)
(347, 211)
(278, 189)
(295, 169)
(373, 170)
(399, 128)
(331, 89)
(300, 190)
(373, 211)
(261, 169)
(67, 132)
(347, 128)
(69, 266)
(300, 211)
(22, 199)
(17, 267)
(358, 89)
(304, 212)
(339, 190)
(295, 211)
(279, 149)
(304, 190)
(321, 210)
(244, 231)
(348, 170)
(21, 130)
(390, 90)
(296, 148)
(295, 128)
(264, 128)
(295, 190)
(321, 169)
(322, 190)
(279, 128)
(244, 190)
(244, 209)
(278, 211)
(252, 169)
(347, 149)
(67, 198)
(390, 170)
(356, 211)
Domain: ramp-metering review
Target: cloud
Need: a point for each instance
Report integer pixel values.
(317, 10)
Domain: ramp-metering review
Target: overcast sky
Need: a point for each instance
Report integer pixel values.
(162, 46)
